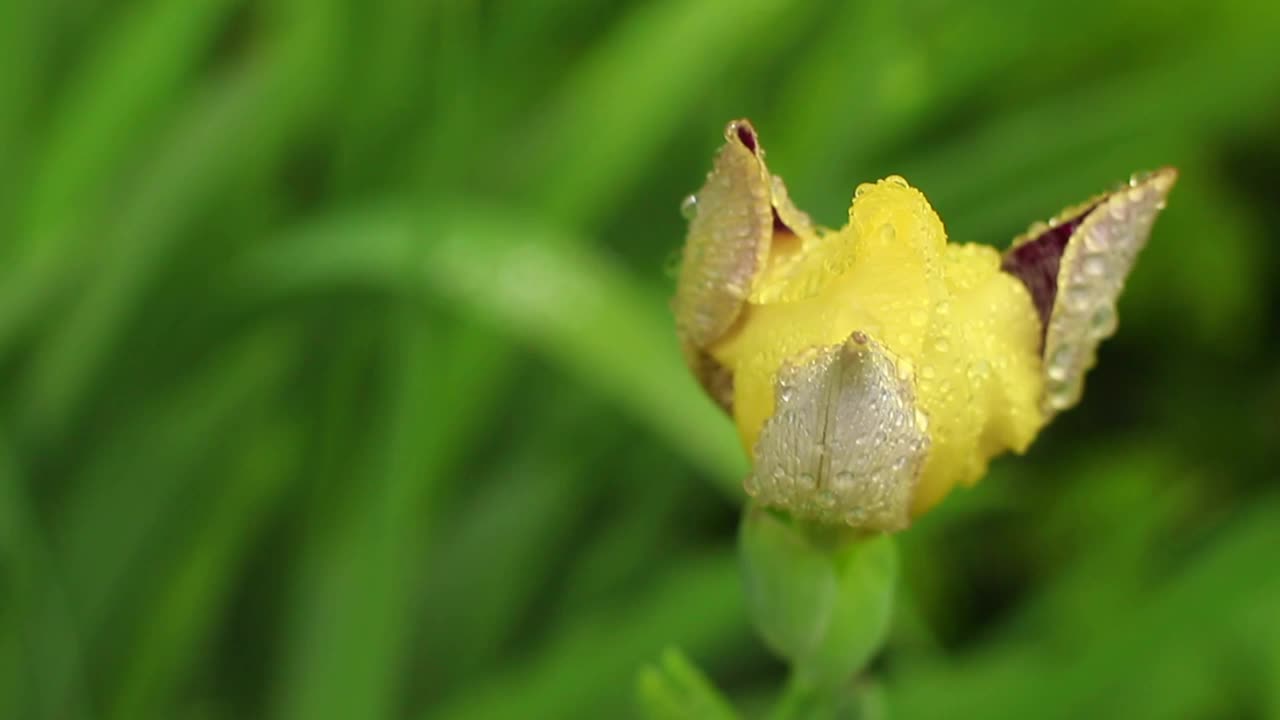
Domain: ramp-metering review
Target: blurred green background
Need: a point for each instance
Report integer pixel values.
(339, 379)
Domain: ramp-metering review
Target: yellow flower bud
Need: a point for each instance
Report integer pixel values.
(872, 369)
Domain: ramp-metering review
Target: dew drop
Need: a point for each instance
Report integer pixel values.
(1061, 394)
(1094, 266)
(785, 392)
(918, 318)
(896, 181)
(1103, 321)
(855, 517)
(1097, 238)
(905, 369)
(1057, 372)
(1059, 362)
(751, 485)
(941, 345)
(1059, 400)
(927, 372)
(826, 499)
(887, 233)
(1117, 208)
(689, 207)
(1078, 297)
(806, 483)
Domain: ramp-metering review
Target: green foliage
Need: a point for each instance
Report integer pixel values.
(339, 380)
(676, 690)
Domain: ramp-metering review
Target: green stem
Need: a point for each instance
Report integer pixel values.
(801, 700)
(822, 598)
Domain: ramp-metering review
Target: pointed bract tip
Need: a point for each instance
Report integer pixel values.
(743, 132)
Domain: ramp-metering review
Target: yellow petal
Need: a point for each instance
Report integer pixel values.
(963, 334)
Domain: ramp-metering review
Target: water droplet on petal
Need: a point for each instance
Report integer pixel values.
(784, 393)
(1060, 396)
(1103, 321)
(896, 181)
(1117, 208)
(1078, 297)
(1094, 266)
(689, 207)
(1097, 238)
(905, 369)
(1059, 362)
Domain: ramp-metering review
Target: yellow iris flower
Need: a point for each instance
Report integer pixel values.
(872, 369)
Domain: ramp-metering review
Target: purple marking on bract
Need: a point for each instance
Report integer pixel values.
(779, 225)
(1036, 262)
(746, 134)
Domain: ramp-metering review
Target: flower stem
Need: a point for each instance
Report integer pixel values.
(802, 700)
(822, 598)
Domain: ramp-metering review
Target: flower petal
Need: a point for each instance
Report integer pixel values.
(728, 242)
(742, 222)
(846, 442)
(1075, 270)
